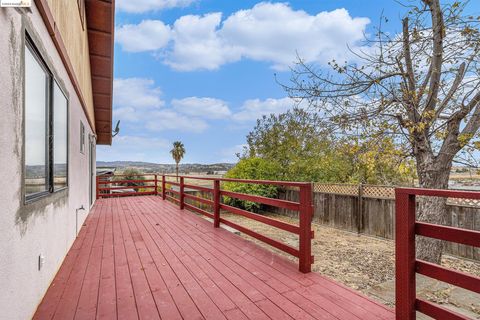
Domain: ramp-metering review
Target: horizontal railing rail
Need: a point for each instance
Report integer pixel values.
(174, 188)
(407, 265)
(269, 182)
(126, 185)
(304, 207)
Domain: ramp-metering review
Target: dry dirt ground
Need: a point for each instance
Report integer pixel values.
(366, 264)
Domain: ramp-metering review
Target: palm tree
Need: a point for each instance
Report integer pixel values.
(178, 151)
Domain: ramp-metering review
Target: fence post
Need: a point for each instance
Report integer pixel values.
(216, 203)
(405, 285)
(156, 185)
(182, 198)
(360, 208)
(97, 186)
(164, 193)
(305, 237)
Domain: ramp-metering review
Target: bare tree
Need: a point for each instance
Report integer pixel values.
(420, 86)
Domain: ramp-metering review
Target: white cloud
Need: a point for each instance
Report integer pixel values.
(275, 32)
(170, 120)
(196, 44)
(271, 32)
(136, 93)
(255, 108)
(138, 101)
(208, 108)
(148, 35)
(139, 6)
(126, 114)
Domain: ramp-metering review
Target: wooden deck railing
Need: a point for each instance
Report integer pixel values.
(407, 265)
(151, 184)
(126, 185)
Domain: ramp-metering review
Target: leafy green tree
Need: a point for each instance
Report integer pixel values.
(303, 150)
(295, 142)
(377, 161)
(130, 174)
(178, 151)
(252, 169)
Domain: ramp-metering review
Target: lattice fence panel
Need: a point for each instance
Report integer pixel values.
(345, 189)
(379, 192)
(464, 202)
(383, 192)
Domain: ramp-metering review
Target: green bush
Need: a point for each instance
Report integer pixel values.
(131, 174)
(251, 169)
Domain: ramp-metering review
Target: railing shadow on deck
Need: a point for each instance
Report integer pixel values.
(155, 184)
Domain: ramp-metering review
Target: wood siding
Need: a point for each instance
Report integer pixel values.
(74, 34)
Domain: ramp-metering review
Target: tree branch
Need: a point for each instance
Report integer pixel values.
(438, 30)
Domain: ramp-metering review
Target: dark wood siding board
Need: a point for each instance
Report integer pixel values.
(100, 43)
(100, 16)
(101, 66)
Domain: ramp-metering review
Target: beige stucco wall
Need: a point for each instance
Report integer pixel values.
(46, 226)
(75, 37)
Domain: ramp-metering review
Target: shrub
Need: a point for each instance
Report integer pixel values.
(131, 174)
(251, 169)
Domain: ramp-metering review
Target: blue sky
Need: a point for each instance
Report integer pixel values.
(202, 71)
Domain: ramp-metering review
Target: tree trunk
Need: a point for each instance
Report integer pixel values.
(432, 210)
(176, 169)
(432, 175)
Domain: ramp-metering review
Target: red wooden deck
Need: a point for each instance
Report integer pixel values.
(143, 258)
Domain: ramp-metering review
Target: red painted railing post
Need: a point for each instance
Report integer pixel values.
(97, 187)
(405, 286)
(164, 193)
(182, 194)
(156, 185)
(216, 203)
(305, 237)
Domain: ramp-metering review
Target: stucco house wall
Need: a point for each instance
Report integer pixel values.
(46, 226)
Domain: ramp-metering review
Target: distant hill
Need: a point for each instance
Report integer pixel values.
(149, 167)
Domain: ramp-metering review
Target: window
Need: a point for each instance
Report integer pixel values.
(46, 129)
(82, 137)
(36, 131)
(60, 138)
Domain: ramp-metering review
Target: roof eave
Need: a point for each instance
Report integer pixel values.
(100, 16)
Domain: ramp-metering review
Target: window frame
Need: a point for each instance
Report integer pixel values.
(52, 149)
(82, 137)
(49, 125)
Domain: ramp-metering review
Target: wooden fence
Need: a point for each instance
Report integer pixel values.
(370, 210)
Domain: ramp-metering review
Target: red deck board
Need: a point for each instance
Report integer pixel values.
(107, 298)
(87, 303)
(126, 305)
(258, 256)
(229, 258)
(196, 267)
(234, 276)
(142, 257)
(279, 300)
